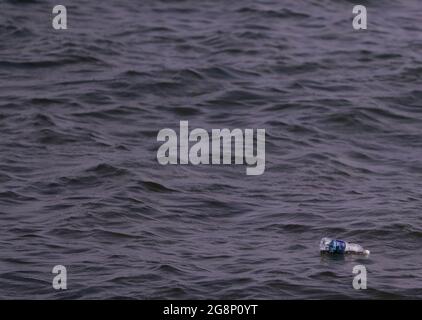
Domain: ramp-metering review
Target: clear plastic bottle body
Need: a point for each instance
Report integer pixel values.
(324, 244)
(354, 248)
(328, 245)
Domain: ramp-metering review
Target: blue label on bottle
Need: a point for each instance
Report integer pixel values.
(337, 246)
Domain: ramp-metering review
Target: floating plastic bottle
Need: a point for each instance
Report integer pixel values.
(328, 245)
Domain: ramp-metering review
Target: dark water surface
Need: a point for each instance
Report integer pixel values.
(80, 184)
